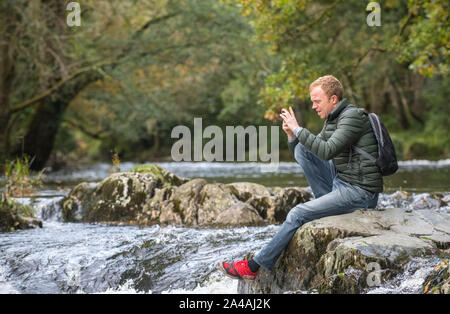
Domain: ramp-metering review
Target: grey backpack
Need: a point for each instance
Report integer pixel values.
(387, 158)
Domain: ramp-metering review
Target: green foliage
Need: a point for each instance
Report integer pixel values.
(202, 62)
(383, 69)
(20, 180)
(158, 64)
(423, 39)
(434, 140)
(65, 141)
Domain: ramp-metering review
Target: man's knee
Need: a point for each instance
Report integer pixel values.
(296, 216)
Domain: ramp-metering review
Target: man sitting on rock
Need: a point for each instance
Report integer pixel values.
(340, 178)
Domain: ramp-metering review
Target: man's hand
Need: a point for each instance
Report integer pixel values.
(288, 131)
(289, 120)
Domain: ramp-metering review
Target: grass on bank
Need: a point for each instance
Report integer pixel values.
(20, 181)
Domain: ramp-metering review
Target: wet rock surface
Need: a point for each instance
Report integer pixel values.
(152, 195)
(353, 252)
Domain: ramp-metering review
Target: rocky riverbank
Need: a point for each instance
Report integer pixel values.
(150, 195)
(354, 252)
(14, 215)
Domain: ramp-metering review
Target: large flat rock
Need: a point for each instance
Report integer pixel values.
(336, 254)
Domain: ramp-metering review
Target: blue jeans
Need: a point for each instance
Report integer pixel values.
(332, 197)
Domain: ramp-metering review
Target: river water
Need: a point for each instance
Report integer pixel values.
(92, 258)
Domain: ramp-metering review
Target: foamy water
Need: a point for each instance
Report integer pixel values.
(411, 280)
(89, 258)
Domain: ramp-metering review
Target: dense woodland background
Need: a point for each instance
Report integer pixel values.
(135, 69)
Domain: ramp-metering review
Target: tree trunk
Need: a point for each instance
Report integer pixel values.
(44, 125)
(412, 98)
(398, 105)
(8, 56)
(7, 76)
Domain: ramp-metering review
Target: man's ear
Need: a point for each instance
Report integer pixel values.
(334, 100)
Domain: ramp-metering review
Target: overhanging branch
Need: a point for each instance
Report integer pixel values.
(29, 102)
(95, 67)
(97, 135)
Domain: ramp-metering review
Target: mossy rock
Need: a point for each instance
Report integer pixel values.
(333, 254)
(115, 199)
(150, 195)
(214, 198)
(72, 205)
(162, 175)
(14, 215)
(118, 198)
(246, 190)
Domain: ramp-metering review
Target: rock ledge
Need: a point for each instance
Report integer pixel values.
(353, 252)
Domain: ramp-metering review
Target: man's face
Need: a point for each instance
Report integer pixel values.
(321, 103)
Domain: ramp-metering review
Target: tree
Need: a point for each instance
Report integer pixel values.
(141, 66)
(380, 67)
(209, 56)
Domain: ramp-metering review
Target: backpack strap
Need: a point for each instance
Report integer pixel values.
(375, 121)
(365, 154)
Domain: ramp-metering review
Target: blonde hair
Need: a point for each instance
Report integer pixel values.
(330, 85)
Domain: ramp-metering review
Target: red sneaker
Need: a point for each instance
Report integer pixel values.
(237, 270)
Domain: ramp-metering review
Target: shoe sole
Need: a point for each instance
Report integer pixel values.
(246, 278)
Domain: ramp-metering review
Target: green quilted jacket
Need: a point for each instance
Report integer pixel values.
(342, 130)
